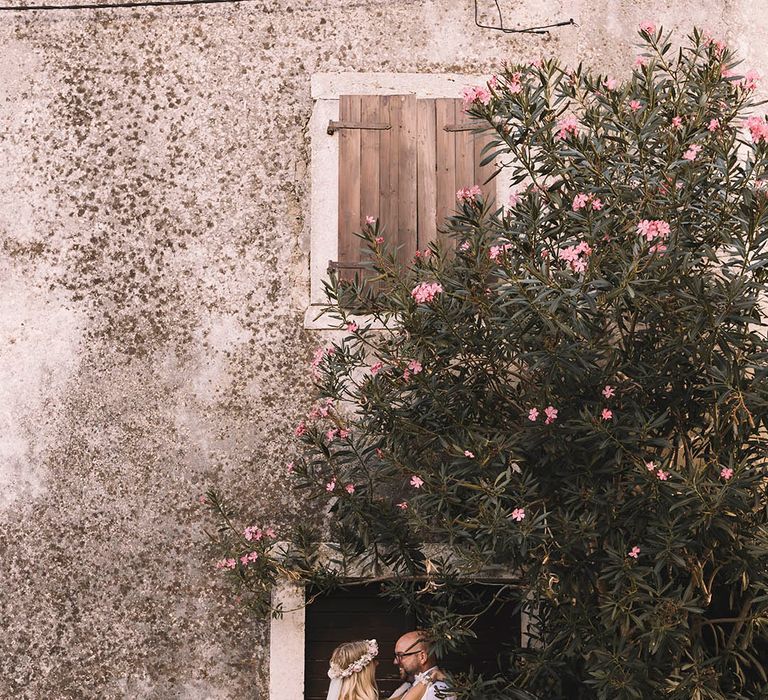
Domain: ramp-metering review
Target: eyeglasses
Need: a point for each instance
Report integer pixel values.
(400, 654)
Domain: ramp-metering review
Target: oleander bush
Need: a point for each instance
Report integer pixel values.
(567, 396)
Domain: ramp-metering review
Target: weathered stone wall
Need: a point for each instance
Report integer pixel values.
(154, 278)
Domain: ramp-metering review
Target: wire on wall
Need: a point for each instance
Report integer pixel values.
(123, 4)
(544, 29)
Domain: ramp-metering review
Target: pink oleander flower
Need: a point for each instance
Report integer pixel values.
(498, 250)
(321, 409)
(331, 485)
(514, 199)
(469, 454)
(566, 126)
(579, 201)
(608, 391)
(226, 564)
(403, 505)
(376, 367)
(270, 532)
(417, 482)
(425, 292)
(331, 434)
(253, 556)
(714, 125)
(647, 27)
(470, 95)
(662, 475)
(692, 152)
(344, 433)
(635, 106)
(493, 83)
(370, 220)
(758, 129)
(300, 429)
(469, 194)
(657, 248)
(415, 366)
(514, 84)
(350, 489)
(634, 552)
(653, 229)
(244, 560)
(533, 414)
(607, 414)
(586, 200)
(576, 256)
(464, 246)
(718, 44)
(726, 473)
(320, 354)
(611, 83)
(518, 514)
(253, 533)
(551, 413)
(352, 327)
(379, 239)
(406, 375)
(677, 122)
(640, 61)
(751, 79)
(650, 466)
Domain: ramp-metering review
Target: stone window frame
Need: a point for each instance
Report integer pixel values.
(326, 88)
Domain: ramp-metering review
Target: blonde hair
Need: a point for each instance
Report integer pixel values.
(362, 684)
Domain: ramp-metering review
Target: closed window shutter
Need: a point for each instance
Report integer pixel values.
(406, 175)
(458, 150)
(377, 173)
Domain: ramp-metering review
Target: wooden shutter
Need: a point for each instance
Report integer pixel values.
(406, 175)
(377, 173)
(457, 164)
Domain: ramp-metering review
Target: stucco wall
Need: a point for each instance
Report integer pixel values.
(153, 281)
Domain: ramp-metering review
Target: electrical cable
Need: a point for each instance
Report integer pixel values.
(543, 29)
(120, 4)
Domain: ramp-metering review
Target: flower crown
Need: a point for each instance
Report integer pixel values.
(373, 649)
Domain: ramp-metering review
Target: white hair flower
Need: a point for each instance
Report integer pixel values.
(373, 649)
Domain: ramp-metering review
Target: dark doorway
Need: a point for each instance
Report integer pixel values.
(345, 615)
(358, 612)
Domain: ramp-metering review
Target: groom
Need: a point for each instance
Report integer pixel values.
(413, 655)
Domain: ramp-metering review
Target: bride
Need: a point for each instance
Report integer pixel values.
(353, 673)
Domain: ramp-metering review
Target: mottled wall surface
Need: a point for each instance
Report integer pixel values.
(153, 281)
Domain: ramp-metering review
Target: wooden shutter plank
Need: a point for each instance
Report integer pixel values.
(388, 173)
(446, 160)
(349, 183)
(481, 174)
(426, 189)
(465, 150)
(406, 179)
(370, 150)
